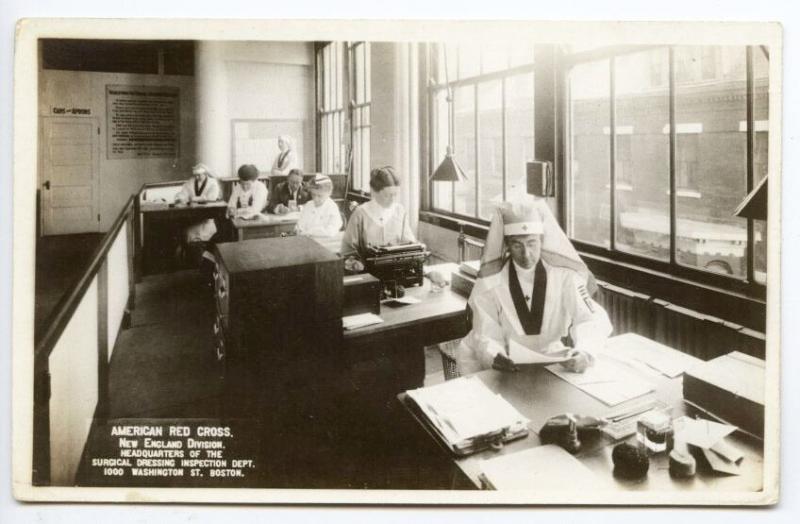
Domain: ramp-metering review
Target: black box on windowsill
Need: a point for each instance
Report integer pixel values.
(362, 294)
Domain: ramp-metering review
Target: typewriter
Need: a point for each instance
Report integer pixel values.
(397, 266)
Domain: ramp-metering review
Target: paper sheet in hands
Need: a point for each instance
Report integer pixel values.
(522, 355)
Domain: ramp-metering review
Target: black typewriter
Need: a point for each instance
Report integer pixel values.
(397, 267)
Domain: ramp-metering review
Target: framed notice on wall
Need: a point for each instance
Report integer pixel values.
(143, 121)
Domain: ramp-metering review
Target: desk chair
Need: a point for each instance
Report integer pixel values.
(448, 350)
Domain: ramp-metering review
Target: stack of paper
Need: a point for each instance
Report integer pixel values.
(548, 468)
(709, 438)
(360, 320)
(658, 357)
(607, 380)
(465, 411)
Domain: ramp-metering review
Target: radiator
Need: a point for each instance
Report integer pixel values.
(699, 335)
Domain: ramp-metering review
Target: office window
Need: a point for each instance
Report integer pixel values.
(488, 92)
(331, 107)
(703, 92)
(590, 152)
(360, 96)
(711, 160)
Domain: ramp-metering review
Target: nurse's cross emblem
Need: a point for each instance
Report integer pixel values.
(524, 227)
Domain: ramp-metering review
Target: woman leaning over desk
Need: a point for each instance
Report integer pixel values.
(380, 222)
(249, 196)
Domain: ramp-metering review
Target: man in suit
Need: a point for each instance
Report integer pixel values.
(289, 194)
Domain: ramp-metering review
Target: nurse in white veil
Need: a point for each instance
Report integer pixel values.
(532, 290)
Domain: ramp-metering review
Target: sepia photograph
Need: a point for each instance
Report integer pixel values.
(384, 262)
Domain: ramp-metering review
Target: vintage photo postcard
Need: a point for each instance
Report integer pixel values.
(419, 262)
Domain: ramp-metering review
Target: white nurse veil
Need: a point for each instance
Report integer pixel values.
(557, 250)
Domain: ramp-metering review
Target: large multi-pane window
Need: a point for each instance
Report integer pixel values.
(343, 108)
(331, 97)
(663, 145)
(481, 102)
(361, 97)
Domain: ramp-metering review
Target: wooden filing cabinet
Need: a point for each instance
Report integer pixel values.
(279, 317)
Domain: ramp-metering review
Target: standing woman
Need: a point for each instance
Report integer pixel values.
(380, 222)
(201, 188)
(286, 159)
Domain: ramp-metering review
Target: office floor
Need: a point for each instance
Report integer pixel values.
(60, 261)
(163, 367)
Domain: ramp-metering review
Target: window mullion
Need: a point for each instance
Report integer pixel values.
(673, 193)
(503, 133)
(750, 248)
(612, 186)
(476, 122)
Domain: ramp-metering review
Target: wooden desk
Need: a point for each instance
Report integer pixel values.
(393, 350)
(265, 225)
(162, 229)
(539, 395)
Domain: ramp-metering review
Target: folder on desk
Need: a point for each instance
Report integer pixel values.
(466, 416)
(543, 468)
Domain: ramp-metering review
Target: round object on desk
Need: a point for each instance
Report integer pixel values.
(630, 462)
(681, 464)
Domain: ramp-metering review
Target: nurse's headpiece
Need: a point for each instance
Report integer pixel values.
(200, 168)
(527, 215)
(521, 220)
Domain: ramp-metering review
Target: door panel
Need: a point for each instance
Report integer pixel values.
(70, 202)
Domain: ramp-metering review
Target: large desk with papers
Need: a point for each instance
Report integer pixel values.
(538, 394)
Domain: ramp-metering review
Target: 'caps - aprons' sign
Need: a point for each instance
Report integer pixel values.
(85, 111)
(143, 121)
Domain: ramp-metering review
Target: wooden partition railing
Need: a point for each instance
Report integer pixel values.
(71, 358)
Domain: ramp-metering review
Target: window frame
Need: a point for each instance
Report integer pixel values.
(747, 285)
(474, 82)
(331, 104)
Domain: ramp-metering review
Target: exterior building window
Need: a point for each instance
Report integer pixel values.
(331, 107)
(622, 156)
(488, 92)
(343, 109)
(361, 97)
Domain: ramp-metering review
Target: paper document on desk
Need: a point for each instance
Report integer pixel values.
(547, 468)
(638, 349)
(607, 380)
(360, 320)
(465, 409)
(522, 355)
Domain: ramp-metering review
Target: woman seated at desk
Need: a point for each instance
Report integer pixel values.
(249, 196)
(380, 222)
(321, 216)
(286, 160)
(532, 289)
(202, 187)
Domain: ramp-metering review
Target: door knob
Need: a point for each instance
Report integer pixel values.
(47, 185)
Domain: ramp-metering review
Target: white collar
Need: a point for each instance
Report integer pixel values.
(522, 272)
(379, 213)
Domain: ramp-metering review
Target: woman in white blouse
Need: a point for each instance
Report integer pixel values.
(380, 222)
(321, 216)
(249, 196)
(201, 188)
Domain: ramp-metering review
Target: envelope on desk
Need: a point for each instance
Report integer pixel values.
(709, 437)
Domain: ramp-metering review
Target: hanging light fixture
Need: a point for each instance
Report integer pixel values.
(449, 170)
